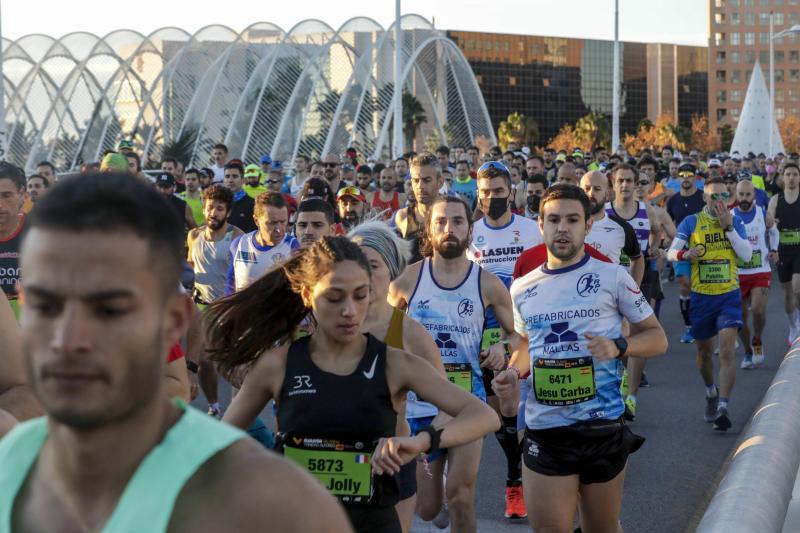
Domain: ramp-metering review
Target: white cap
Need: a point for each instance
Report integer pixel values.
(714, 163)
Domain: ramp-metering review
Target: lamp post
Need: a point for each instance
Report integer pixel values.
(789, 31)
(615, 90)
(3, 139)
(398, 89)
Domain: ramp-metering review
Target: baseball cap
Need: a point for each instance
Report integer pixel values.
(687, 167)
(252, 170)
(354, 192)
(351, 152)
(265, 159)
(347, 167)
(277, 166)
(165, 179)
(714, 163)
(208, 172)
(744, 174)
(561, 157)
(730, 176)
(125, 144)
(577, 153)
(114, 162)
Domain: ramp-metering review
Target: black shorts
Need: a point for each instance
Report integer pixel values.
(407, 480)
(788, 265)
(651, 285)
(367, 519)
(488, 376)
(595, 451)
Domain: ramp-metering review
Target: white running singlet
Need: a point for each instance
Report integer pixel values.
(755, 224)
(497, 249)
(612, 236)
(555, 309)
(250, 260)
(454, 318)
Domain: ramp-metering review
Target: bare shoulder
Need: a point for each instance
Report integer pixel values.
(258, 487)
(194, 233)
(404, 284)
(491, 284)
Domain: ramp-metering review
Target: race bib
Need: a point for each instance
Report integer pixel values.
(755, 261)
(459, 374)
(491, 336)
(624, 260)
(714, 271)
(563, 381)
(344, 469)
(789, 237)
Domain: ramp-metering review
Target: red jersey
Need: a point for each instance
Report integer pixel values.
(535, 257)
(392, 205)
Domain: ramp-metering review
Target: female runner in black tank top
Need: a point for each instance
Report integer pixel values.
(388, 254)
(336, 385)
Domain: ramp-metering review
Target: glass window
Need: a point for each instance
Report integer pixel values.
(720, 58)
(719, 18)
(794, 74)
(764, 3)
(794, 56)
(736, 76)
(735, 19)
(721, 76)
(721, 96)
(749, 3)
(763, 58)
(747, 75)
(794, 95)
(721, 114)
(736, 95)
(749, 38)
(763, 19)
(779, 94)
(734, 38)
(735, 114)
(763, 37)
(735, 57)
(778, 20)
(750, 57)
(779, 56)
(793, 18)
(718, 3)
(780, 113)
(719, 38)
(778, 75)
(749, 19)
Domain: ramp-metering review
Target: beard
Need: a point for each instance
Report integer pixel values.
(450, 247)
(214, 224)
(564, 254)
(687, 184)
(596, 207)
(745, 205)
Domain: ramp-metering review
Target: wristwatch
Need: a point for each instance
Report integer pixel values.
(192, 367)
(622, 345)
(728, 228)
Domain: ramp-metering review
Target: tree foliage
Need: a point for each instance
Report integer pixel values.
(519, 129)
(790, 133)
(654, 135)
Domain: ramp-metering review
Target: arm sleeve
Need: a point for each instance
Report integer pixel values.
(631, 302)
(681, 238)
(774, 237)
(738, 239)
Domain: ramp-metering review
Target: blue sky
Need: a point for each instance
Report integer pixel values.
(674, 21)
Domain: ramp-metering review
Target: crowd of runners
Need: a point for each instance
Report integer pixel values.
(387, 315)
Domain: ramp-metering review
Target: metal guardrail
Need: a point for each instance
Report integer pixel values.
(755, 493)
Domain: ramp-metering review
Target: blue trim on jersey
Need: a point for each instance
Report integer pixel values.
(499, 227)
(463, 281)
(570, 268)
(483, 304)
(416, 285)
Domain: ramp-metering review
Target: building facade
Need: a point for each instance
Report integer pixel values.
(738, 41)
(558, 80)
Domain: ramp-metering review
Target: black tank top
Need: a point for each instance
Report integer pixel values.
(9, 261)
(357, 407)
(788, 216)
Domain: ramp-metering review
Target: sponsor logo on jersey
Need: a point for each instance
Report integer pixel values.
(247, 257)
(588, 284)
(423, 304)
(480, 239)
(535, 321)
(447, 346)
(634, 291)
(302, 385)
(560, 335)
(465, 308)
(277, 258)
(530, 292)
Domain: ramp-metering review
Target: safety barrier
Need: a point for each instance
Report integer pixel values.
(755, 493)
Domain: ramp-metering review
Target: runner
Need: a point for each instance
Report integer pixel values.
(783, 209)
(12, 230)
(688, 201)
(17, 401)
(299, 175)
(498, 239)
(450, 295)
(352, 206)
(426, 180)
(35, 186)
(716, 240)
(387, 255)
(253, 253)
(569, 314)
(386, 200)
(252, 181)
(464, 185)
(314, 221)
(755, 275)
(241, 214)
(337, 390)
(209, 256)
(101, 262)
(165, 184)
(193, 196)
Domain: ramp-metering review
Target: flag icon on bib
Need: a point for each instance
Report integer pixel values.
(362, 459)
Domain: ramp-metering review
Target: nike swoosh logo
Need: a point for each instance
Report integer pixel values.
(371, 372)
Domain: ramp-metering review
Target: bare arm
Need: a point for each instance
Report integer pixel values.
(261, 384)
(637, 269)
(189, 217)
(16, 396)
(418, 341)
(189, 242)
(176, 380)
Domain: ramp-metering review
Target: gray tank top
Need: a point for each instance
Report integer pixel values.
(211, 261)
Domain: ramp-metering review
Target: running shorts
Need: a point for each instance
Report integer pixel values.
(488, 376)
(683, 268)
(595, 451)
(373, 519)
(416, 424)
(788, 265)
(748, 282)
(709, 314)
(407, 480)
(651, 285)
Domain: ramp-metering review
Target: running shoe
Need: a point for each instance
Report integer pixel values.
(687, 336)
(442, 520)
(643, 382)
(711, 408)
(213, 411)
(758, 354)
(515, 502)
(721, 420)
(623, 387)
(630, 408)
(747, 362)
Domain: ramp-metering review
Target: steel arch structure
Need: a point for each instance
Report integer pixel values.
(311, 90)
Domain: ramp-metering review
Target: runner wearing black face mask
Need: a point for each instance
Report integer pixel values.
(498, 239)
(535, 186)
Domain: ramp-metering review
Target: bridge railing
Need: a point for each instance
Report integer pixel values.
(755, 493)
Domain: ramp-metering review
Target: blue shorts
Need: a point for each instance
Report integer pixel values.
(259, 431)
(682, 268)
(709, 314)
(417, 424)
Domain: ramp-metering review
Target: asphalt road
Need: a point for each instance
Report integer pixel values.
(673, 476)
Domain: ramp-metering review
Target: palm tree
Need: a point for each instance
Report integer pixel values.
(593, 130)
(518, 128)
(180, 148)
(413, 118)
